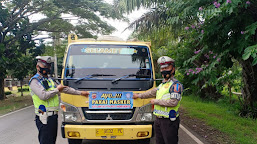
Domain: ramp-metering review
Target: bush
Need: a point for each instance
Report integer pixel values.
(23, 89)
(7, 93)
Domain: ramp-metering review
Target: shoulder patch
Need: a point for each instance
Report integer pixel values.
(176, 88)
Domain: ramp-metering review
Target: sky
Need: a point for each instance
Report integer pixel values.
(119, 25)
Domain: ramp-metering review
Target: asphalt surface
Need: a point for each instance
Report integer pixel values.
(19, 128)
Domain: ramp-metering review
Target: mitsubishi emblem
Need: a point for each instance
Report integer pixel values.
(109, 117)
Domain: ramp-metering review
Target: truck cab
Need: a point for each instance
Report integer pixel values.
(111, 70)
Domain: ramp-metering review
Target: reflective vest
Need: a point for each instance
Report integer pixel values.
(163, 93)
(51, 104)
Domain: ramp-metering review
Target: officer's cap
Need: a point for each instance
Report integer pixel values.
(165, 61)
(46, 60)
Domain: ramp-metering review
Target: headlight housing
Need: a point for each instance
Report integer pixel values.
(70, 113)
(145, 113)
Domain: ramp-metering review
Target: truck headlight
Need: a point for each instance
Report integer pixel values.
(145, 113)
(70, 113)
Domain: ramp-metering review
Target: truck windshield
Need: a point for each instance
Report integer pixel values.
(118, 60)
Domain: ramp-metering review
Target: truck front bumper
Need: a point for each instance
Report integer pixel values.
(129, 132)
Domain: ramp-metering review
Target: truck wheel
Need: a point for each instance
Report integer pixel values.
(144, 141)
(75, 141)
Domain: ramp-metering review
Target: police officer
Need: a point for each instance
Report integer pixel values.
(45, 95)
(166, 104)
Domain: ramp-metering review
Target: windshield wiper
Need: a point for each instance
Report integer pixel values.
(127, 76)
(92, 75)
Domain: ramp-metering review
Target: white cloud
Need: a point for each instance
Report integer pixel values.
(121, 25)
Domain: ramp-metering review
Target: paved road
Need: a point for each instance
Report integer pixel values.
(19, 128)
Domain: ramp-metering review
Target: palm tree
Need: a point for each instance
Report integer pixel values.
(130, 5)
(163, 14)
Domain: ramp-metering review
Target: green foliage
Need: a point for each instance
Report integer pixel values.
(60, 50)
(208, 40)
(130, 5)
(7, 93)
(2, 60)
(86, 12)
(250, 51)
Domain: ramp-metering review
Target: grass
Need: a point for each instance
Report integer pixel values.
(26, 93)
(15, 102)
(222, 116)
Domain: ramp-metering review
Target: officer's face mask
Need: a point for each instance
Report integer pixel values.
(166, 74)
(44, 71)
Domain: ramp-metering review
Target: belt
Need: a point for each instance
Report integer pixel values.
(50, 113)
(161, 117)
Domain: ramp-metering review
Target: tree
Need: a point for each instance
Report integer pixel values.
(59, 50)
(210, 34)
(25, 64)
(16, 24)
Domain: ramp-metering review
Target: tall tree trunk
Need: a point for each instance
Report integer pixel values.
(2, 95)
(249, 90)
(230, 93)
(210, 92)
(21, 87)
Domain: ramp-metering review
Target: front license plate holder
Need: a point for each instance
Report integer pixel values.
(109, 132)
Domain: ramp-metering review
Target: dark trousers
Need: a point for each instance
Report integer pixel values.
(47, 133)
(166, 131)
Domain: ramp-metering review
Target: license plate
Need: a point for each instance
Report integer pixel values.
(112, 132)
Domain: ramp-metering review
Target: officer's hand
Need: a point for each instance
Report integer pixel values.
(61, 87)
(85, 93)
(152, 101)
(135, 95)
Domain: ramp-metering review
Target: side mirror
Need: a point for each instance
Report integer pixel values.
(65, 82)
(151, 83)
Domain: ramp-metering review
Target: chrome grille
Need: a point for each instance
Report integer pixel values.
(110, 114)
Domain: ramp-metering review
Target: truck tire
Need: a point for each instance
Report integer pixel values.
(74, 141)
(144, 141)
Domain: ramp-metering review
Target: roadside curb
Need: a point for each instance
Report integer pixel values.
(196, 137)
